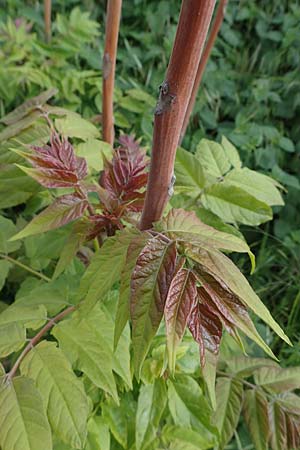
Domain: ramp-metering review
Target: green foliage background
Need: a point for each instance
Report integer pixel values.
(250, 94)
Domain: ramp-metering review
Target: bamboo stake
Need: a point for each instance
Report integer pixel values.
(47, 19)
(203, 62)
(109, 66)
(175, 91)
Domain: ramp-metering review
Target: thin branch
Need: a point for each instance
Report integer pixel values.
(109, 66)
(175, 91)
(25, 267)
(47, 19)
(35, 340)
(203, 62)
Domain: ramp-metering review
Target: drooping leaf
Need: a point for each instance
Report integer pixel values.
(229, 394)
(105, 267)
(189, 173)
(54, 295)
(255, 411)
(245, 366)
(230, 307)
(62, 392)
(231, 153)
(123, 309)
(7, 230)
(181, 438)
(180, 300)
(13, 323)
(278, 426)
(151, 404)
(15, 186)
(278, 379)
(28, 106)
(256, 184)
(224, 270)
(74, 241)
(98, 434)
(13, 337)
(4, 270)
(186, 225)
(206, 327)
(188, 405)
(23, 421)
(235, 205)
(150, 282)
(213, 158)
(80, 342)
(63, 210)
(209, 371)
(73, 125)
(14, 129)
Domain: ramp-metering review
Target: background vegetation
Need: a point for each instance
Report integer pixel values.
(250, 94)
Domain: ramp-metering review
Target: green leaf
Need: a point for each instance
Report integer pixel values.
(74, 241)
(231, 153)
(233, 205)
(231, 307)
(94, 151)
(74, 126)
(213, 158)
(277, 426)
(255, 411)
(115, 417)
(87, 351)
(13, 323)
(23, 420)
(277, 379)
(256, 184)
(189, 173)
(181, 438)
(4, 270)
(28, 106)
(54, 295)
(123, 308)
(180, 300)
(62, 392)
(188, 406)
(229, 403)
(186, 225)
(286, 144)
(209, 375)
(15, 187)
(7, 230)
(63, 210)
(13, 337)
(29, 316)
(13, 130)
(149, 287)
(105, 267)
(151, 404)
(98, 434)
(245, 366)
(37, 134)
(224, 269)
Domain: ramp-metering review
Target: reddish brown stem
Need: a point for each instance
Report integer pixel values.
(35, 340)
(203, 62)
(47, 19)
(194, 20)
(109, 65)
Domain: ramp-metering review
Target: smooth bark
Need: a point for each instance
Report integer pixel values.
(203, 62)
(175, 91)
(47, 19)
(109, 66)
